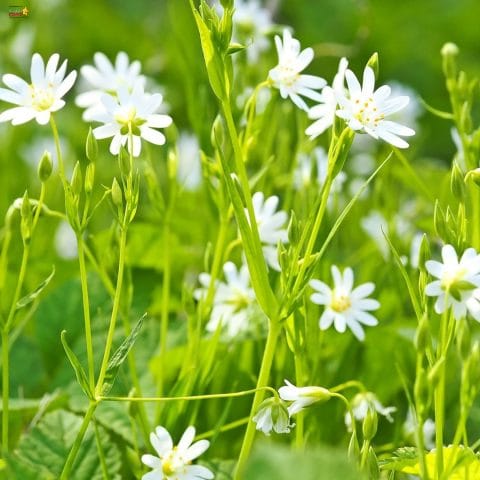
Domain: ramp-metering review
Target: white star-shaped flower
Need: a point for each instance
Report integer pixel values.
(457, 284)
(273, 415)
(39, 98)
(366, 110)
(287, 76)
(233, 301)
(344, 305)
(360, 405)
(131, 112)
(174, 463)
(106, 77)
(324, 112)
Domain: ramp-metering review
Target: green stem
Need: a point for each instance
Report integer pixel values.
(300, 418)
(223, 428)
(5, 389)
(61, 168)
(101, 453)
(262, 382)
(67, 468)
(86, 311)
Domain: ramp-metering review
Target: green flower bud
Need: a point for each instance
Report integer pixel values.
(217, 136)
(116, 192)
(91, 146)
(45, 167)
(353, 448)
(373, 63)
(372, 465)
(89, 177)
(422, 336)
(434, 373)
(457, 184)
(77, 181)
(124, 162)
(27, 219)
(370, 423)
(474, 176)
(422, 393)
(449, 53)
(439, 221)
(293, 229)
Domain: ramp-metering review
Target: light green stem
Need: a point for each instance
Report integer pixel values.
(61, 167)
(300, 418)
(5, 389)
(67, 468)
(86, 311)
(262, 381)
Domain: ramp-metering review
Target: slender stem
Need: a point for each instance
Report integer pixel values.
(223, 428)
(67, 468)
(300, 419)
(115, 309)
(101, 453)
(5, 388)
(86, 311)
(262, 381)
(61, 168)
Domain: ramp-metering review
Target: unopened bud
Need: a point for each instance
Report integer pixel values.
(373, 63)
(370, 423)
(353, 447)
(449, 53)
(27, 218)
(89, 177)
(45, 167)
(372, 465)
(124, 162)
(77, 181)
(116, 192)
(457, 184)
(474, 176)
(91, 146)
(293, 229)
(424, 253)
(422, 336)
(435, 371)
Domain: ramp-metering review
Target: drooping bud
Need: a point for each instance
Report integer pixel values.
(370, 423)
(45, 167)
(91, 146)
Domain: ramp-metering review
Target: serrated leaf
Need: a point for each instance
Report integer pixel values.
(403, 457)
(42, 452)
(27, 299)
(77, 367)
(119, 356)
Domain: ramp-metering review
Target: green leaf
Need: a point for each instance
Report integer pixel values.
(435, 111)
(27, 299)
(42, 452)
(119, 356)
(77, 367)
(403, 457)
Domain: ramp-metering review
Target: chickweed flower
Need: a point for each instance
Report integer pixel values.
(39, 98)
(302, 397)
(344, 305)
(131, 112)
(172, 462)
(270, 226)
(457, 284)
(273, 415)
(106, 77)
(287, 77)
(324, 112)
(360, 405)
(365, 110)
(233, 301)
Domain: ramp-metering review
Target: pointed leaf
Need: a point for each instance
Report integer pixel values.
(27, 299)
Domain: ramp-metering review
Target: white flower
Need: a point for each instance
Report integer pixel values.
(189, 167)
(39, 98)
(365, 109)
(324, 112)
(459, 278)
(270, 226)
(345, 306)
(105, 77)
(302, 397)
(287, 77)
(360, 405)
(233, 302)
(174, 463)
(131, 111)
(65, 241)
(410, 427)
(273, 415)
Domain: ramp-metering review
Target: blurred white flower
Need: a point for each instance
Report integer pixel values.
(287, 76)
(324, 112)
(39, 98)
(415, 245)
(65, 241)
(273, 415)
(131, 112)
(233, 301)
(105, 77)
(457, 284)
(360, 405)
(302, 397)
(365, 109)
(410, 427)
(344, 305)
(411, 113)
(376, 226)
(270, 226)
(189, 167)
(174, 462)
(21, 44)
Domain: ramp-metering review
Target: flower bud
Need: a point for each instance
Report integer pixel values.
(116, 192)
(424, 253)
(457, 184)
(272, 415)
(45, 167)
(27, 219)
(372, 465)
(77, 181)
(89, 177)
(422, 336)
(449, 53)
(91, 146)
(435, 371)
(217, 136)
(293, 229)
(370, 423)
(474, 176)
(422, 393)
(353, 448)
(124, 162)
(373, 63)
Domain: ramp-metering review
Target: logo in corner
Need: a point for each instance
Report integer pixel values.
(17, 11)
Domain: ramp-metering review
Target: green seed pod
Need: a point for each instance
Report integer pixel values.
(373, 63)
(116, 192)
(77, 181)
(124, 162)
(370, 423)
(91, 146)
(45, 167)
(89, 178)
(457, 184)
(27, 219)
(449, 53)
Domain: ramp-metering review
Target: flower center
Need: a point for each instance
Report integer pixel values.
(129, 121)
(42, 98)
(288, 75)
(172, 463)
(239, 300)
(453, 277)
(366, 112)
(340, 302)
